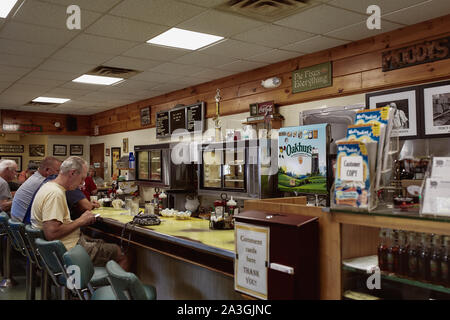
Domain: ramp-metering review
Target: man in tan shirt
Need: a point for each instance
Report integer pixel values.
(50, 213)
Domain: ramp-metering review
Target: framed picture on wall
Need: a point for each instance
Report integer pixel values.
(76, 149)
(436, 104)
(407, 123)
(37, 150)
(145, 116)
(17, 159)
(107, 153)
(60, 150)
(115, 156)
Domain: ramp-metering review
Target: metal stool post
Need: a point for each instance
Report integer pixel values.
(8, 281)
(45, 285)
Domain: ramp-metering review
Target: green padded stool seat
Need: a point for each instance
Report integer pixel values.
(46, 249)
(17, 230)
(103, 293)
(78, 256)
(126, 285)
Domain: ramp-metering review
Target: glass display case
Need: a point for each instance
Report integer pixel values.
(241, 168)
(155, 168)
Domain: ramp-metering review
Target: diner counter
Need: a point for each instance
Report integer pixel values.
(213, 249)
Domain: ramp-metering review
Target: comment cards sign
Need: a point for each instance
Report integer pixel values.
(313, 77)
(251, 263)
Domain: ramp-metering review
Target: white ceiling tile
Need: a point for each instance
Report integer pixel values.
(45, 109)
(321, 19)
(203, 60)
(53, 75)
(148, 51)
(235, 49)
(127, 29)
(168, 87)
(98, 44)
(26, 49)
(273, 36)
(169, 13)
(31, 80)
(176, 69)
(132, 86)
(19, 61)
(360, 31)
(37, 34)
(204, 3)
(10, 102)
(386, 6)
(213, 74)
(421, 12)
(154, 77)
(274, 56)
(50, 15)
(131, 63)
(22, 88)
(241, 66)
(8, 73)
(96, 5)
(315, 44)
(80, 56)
(219, 23)
(4, 85)
(67, 93)
(66, 66)
(81, 86)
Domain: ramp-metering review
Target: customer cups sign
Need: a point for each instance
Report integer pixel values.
(313, 77)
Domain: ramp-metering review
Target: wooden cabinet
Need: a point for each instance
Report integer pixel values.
(346, 236)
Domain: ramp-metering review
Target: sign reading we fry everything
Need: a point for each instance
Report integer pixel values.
(313, 77)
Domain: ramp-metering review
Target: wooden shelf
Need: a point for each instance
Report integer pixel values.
(276, 123)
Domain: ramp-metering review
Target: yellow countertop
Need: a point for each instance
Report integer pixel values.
(193, 229)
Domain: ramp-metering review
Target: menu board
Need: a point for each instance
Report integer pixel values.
(177, 119)
(184, 117)
(194, 114)
(162, 124)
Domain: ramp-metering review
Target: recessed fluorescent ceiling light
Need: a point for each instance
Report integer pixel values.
(6, 6)
(50, 100)
(86, 78)
(184, 39)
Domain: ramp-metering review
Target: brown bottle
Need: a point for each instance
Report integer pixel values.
(435, 259)
(412, 255)
(392, 253)
(445, 262)
(423, 263)
(382, 251)
(403, 254)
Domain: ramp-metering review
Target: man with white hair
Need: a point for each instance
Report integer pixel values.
(23, 197)
(8, 172)
(50, 213)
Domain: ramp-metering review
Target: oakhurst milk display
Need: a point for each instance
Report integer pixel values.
(302, 159)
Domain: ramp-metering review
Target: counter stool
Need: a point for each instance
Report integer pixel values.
(17, 230)
(52, 253)
(8, 281)
(31, 234)
(126, 285)
(78, 256)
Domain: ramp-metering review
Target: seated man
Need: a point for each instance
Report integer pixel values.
(24, 175)
(24, 195)
(51, 214)
(78, 203)
(8, 172)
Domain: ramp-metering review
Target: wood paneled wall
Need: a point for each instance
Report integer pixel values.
(47, 120)
(356, 69)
